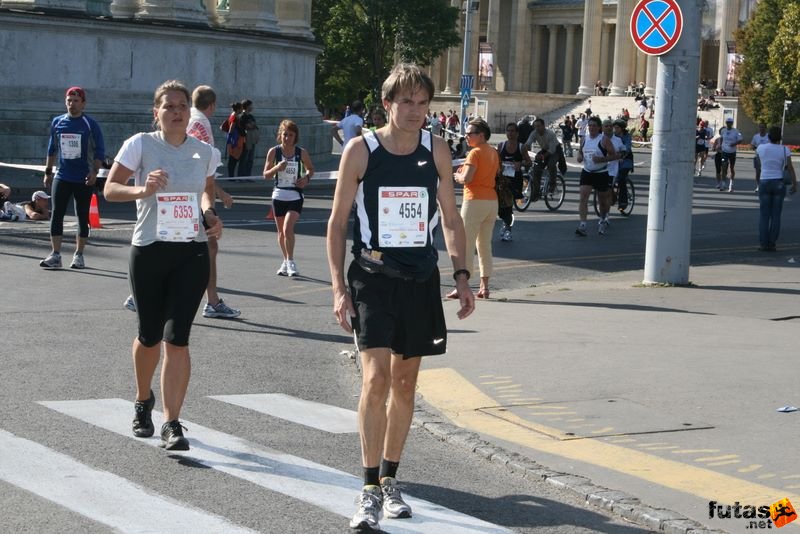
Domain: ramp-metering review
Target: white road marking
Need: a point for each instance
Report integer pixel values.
(304, 412)
(99, 495)
(298, 478)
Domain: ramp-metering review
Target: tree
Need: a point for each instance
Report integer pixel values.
(362, 39)
(769, 44)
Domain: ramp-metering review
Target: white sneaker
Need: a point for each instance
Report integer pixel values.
(370, 503)
(53, 261)
(602, 226)
(282, 271)
(77, 261)
(506, 235)
(130, 304)
(291, 268)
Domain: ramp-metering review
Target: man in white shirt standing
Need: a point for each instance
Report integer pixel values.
(759, 139)
(350, 125)
(730, 138)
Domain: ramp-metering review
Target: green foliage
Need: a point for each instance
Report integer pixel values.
(362, 40)
(769, 72)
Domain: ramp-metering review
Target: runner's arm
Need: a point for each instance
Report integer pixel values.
(452, 225)
(213, 222)
(351, 167)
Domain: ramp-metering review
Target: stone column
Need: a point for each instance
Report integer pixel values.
(641, 67)
(256, 15)
(652, 75)
(294, 17)
(569, 63)
(519, 59)
(68, 5)
(551, 58)
(184, 11)
(728, 22)
(605, 48)
(536, 58)
(455, 56)
(493, 38)
(623, 49)
(124, 9)
(590, 48)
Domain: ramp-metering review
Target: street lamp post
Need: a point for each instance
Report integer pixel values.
(465, 62)
(786, 104)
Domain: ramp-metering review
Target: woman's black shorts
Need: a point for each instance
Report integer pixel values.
(168, 281)
(403, 315)
(281, 207)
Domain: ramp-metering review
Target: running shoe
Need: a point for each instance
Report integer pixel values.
(394, 507)
(53, 261)
(172, 436)
(282, 271)
(369, 502)
(581, 230)
(291, 268)
(220, 310)
(129, 303)
(77, 261)
(602, 226)
(506, 235)
(142, 419)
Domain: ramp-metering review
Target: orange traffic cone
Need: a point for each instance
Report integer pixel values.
(94, 213)
(270, 216)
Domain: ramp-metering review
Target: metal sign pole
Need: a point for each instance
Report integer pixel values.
(669, 217)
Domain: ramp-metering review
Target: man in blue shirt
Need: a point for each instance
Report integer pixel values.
(78, 141)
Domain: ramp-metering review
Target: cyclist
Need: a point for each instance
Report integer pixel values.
(625, 163)
(546, 157)
(512, 157)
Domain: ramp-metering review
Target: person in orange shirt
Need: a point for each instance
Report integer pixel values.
(479, 208)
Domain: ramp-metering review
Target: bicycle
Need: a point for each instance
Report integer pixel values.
(627, 210)
(553, 196)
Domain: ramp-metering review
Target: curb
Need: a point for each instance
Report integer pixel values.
(618, 503)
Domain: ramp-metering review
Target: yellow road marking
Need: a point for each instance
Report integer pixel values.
(751, 468)
(717, 458)
(694, 451)
(493, 382)
(726, 462)
(460, 402)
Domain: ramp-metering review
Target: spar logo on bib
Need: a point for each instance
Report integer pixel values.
(402, 194)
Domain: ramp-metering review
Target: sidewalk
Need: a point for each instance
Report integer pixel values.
(667, 394)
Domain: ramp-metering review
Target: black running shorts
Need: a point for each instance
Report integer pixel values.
(281, 207)
(598, 180)
(403, 315)
(168, 281)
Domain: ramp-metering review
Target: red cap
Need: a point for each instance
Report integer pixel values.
(76, 91)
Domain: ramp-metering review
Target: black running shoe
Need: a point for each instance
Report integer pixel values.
(172, 436)
(142, 420)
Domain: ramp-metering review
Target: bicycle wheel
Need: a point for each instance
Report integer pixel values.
(521, 204)
(554, 199)
(627, 210)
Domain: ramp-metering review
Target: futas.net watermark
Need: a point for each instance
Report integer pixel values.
(775, 515)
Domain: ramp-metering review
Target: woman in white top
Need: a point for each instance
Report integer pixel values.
(774, 158)
(169, 264)
(291, 168)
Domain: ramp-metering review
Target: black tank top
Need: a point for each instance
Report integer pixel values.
(298, 157)
(515, 157)
(389, 176)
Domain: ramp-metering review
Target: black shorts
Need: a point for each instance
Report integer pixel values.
(730, 157)
(403, 315)
(168, 281)
(598, 180)
(280, 207)
(699, 149)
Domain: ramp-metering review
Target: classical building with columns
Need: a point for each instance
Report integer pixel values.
(564, 47)
(121, 50)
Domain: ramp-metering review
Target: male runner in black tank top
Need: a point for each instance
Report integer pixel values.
(394, 298)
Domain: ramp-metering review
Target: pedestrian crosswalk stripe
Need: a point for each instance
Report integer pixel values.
(308, 413)
(295, 477)
(99, 495)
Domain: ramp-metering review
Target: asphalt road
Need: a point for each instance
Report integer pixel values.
(68, 339)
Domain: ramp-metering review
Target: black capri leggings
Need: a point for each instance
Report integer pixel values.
(82, 194)
(168, 281)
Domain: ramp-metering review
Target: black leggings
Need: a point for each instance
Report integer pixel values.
(168, 281)
(82, 195)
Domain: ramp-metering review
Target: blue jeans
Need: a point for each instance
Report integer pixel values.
(770, 197)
